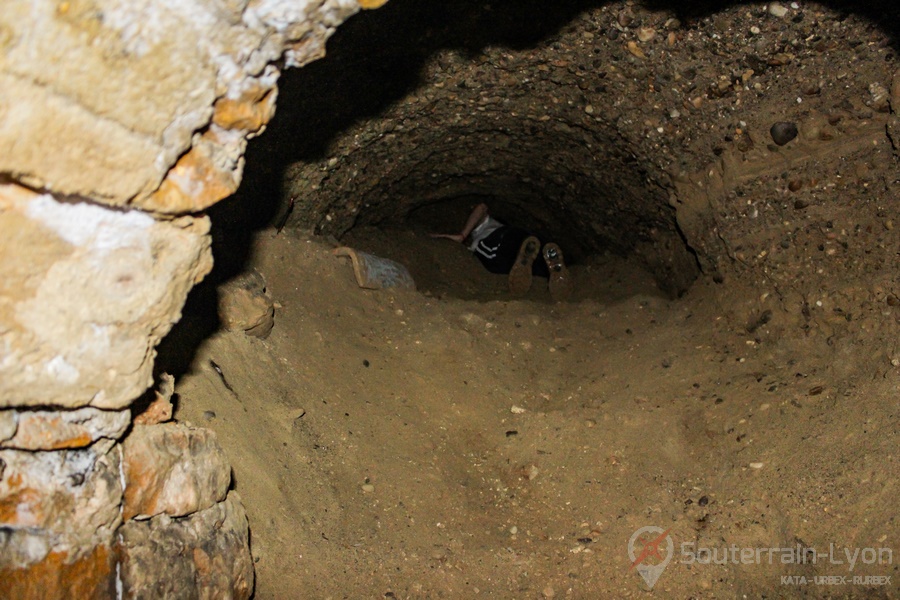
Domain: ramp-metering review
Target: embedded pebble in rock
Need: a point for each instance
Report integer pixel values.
(783, 132)
(777, 10)
(880, 98)
(635, 50)
(645, 34)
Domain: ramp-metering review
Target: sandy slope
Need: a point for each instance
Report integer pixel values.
(638, 411)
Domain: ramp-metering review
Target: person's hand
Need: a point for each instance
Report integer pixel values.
(456, 237)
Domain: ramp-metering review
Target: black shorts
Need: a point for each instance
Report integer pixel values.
(498, 251)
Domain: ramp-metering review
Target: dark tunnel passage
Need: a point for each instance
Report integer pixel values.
(576, 122)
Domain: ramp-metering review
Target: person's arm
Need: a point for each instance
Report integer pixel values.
(478, 213)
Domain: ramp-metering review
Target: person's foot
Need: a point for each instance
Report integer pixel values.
(520, 274)
(560, 280)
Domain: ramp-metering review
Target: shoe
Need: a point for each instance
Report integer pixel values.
(560, 280)
(520, 274)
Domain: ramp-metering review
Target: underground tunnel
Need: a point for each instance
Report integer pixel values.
(721, 179)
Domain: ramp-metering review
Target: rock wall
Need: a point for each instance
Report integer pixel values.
(119, 122)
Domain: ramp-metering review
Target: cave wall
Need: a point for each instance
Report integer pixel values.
(612, 127)
(618, 127)
(120, 122)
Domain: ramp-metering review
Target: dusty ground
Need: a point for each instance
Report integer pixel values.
(376, 445)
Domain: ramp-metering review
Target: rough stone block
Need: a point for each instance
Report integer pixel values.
(173, 469)
(122, 88)
(205, 555)
(244, 305)
(59, 577)
(96, 290)
(159, 410)
(71, 498)
(53, 430)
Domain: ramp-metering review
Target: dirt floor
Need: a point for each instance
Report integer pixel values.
(457, 443)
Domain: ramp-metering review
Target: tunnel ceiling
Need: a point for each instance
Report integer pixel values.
(581, 120)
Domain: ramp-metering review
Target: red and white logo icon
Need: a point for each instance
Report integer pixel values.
(650, 561)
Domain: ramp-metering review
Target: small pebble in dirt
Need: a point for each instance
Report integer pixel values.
(209, 415)
(548, 592)
(783, 132)
(366, 363)
(511, 433)
(703, 501)
(800, 204)
(368, 488)
(756, 465)
(666, 363)
(516, 410)
(777, 10)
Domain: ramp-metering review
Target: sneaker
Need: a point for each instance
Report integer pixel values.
(520, 274)
(560, 280)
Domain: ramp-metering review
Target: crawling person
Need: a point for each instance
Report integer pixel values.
(504, 249)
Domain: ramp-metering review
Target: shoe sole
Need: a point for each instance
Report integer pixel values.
(520, 275)
(560, 279)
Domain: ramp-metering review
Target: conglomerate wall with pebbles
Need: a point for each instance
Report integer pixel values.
(667, 132)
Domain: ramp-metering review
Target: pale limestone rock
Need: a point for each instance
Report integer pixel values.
(173, 469)
(123, 87)
(53, 430)
(65, 501)
(205, 555)
(82, 310)
(8, 424)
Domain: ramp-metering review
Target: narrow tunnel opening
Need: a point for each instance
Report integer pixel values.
(419, 112)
